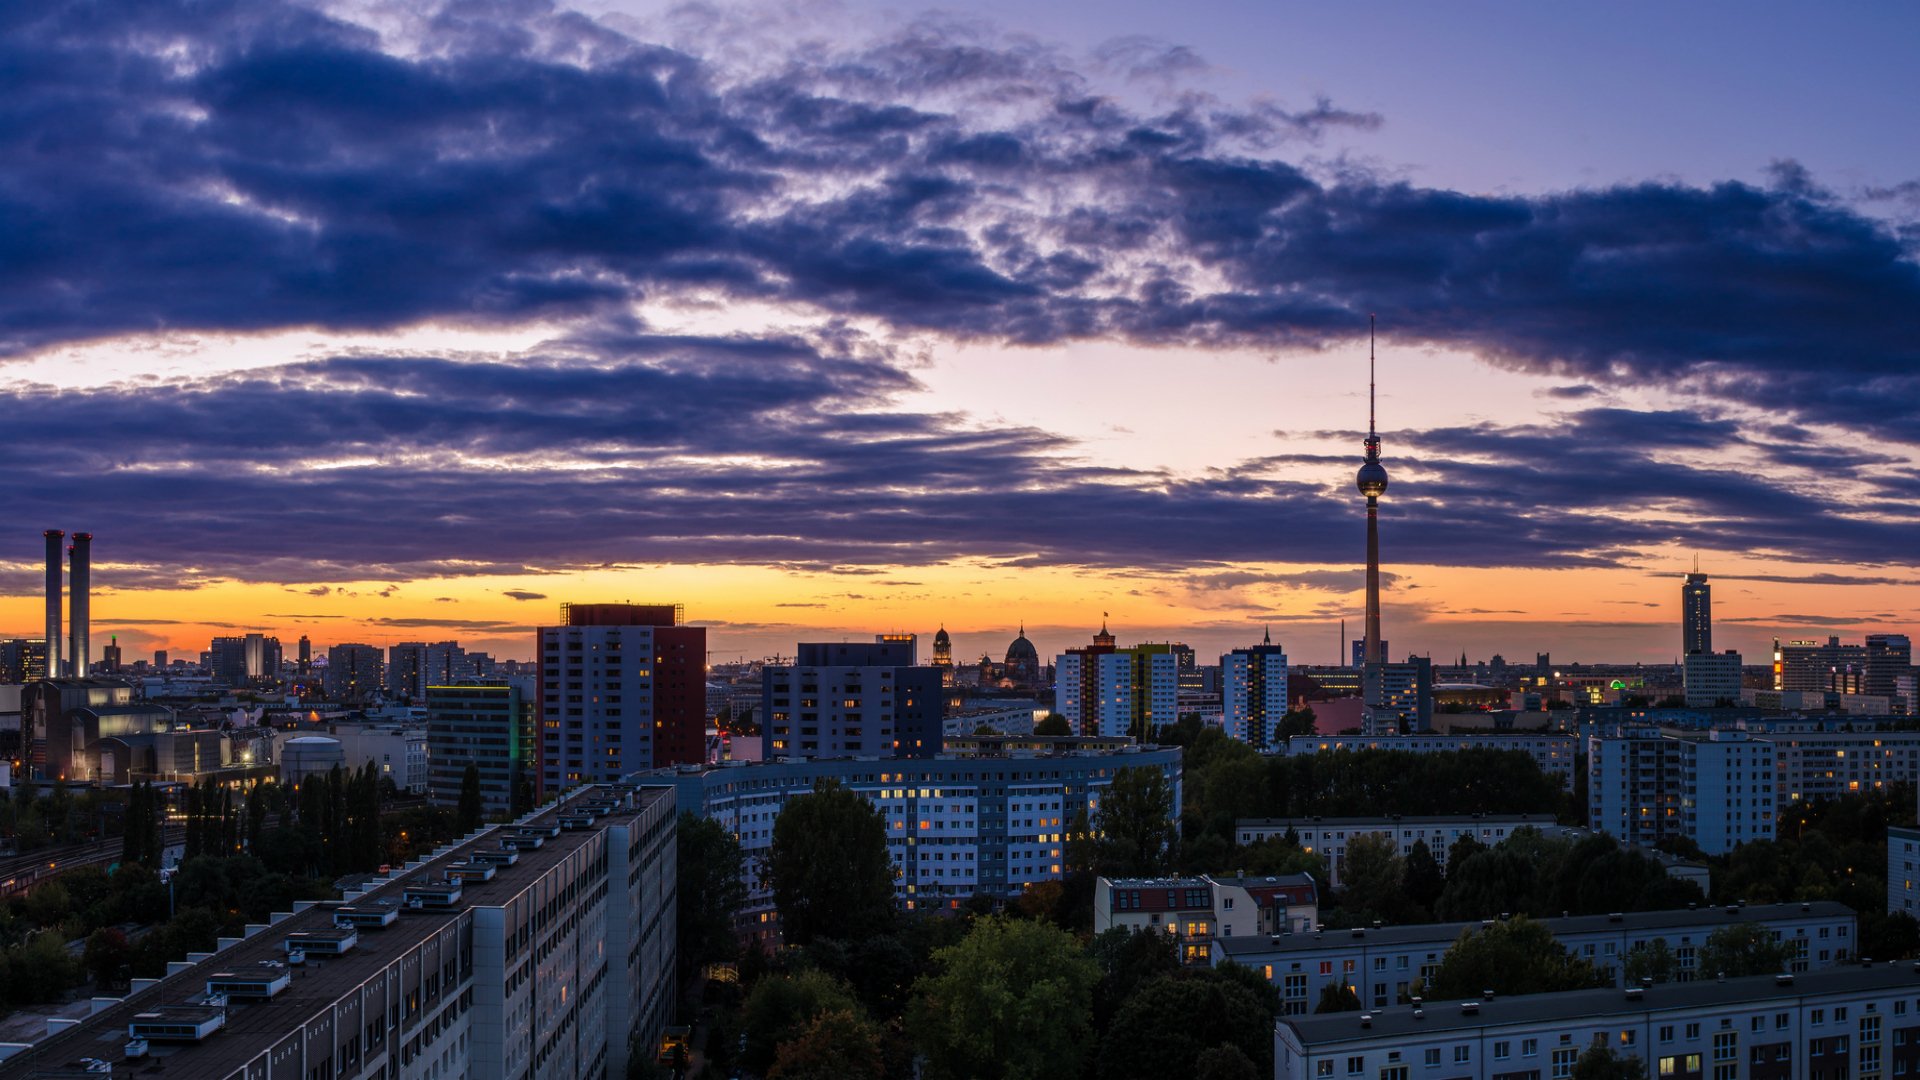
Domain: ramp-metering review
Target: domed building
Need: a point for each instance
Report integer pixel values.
(1023, 661)
(943, 657)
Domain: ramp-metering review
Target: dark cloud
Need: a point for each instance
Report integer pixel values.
(235, 166)
(1803, 620)
(522, 594)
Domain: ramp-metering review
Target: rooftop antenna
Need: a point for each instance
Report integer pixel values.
(1370, 376)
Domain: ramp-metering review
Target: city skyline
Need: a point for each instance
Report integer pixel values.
(955, 326)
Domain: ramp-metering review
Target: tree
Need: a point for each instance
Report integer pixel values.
(711, 888)
(1297, 722)
(471, 808)
(1421, 879)
(1337, 997)
(1224, 1062)
(1601, 1063)
(1515, 956)
(1743, 950)
(1649, 961)
(1013, 1000)
(1370, 875)
(1054, 724)
(782, 1006)
(106, 957)
(834, 1045)
(1144, 1045)
(828, 866)
(1135, 823)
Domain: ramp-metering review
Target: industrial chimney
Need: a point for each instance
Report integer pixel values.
(80, 580)
(54, 536)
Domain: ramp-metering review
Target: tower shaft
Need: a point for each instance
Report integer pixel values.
(1372, 653)
(55, 588)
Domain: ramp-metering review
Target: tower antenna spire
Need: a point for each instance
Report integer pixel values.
(1370, 373)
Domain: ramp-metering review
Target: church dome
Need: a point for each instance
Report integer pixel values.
(941, 640)
(1022, 649)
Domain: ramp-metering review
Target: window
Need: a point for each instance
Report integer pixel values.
(1461, 1054)
(1356, 1066)
(1433, 1057)
(1502, 1051)
(1563, 1063)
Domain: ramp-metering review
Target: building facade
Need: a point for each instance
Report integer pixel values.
(1555, 754)
(1328, 837)
(848, 699)
(989, 821)
(1718, 790)
(488, 726)
(1193, 912)
(355, 673)
(1118, 693)
(622, 688)
(1711, 679)
(550, 966)
(1842, 1022)
(1696, 615)
(1253, 693)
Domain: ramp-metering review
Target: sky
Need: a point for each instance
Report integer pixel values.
(379, 321)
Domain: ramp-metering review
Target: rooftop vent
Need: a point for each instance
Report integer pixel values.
(1470, 1008)
(1635, 993)
(1787, 980)
(1615, 916)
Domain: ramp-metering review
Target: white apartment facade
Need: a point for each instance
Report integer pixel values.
(1719, 791)
(1328, 837)
(1820, 1025)
(1253, 694)
(1381, 965)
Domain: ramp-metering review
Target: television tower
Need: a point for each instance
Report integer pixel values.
(1372, 481)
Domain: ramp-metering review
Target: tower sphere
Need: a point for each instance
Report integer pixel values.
(1372, 479)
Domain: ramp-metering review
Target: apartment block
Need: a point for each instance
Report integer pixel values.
(1253, 693)
(1382, 964)
(1716, 789)
(1328, 837)
(842, 699)
(1853, 1021)
(540, 950)
(1555, 754)
(622, 688)
(988, 822)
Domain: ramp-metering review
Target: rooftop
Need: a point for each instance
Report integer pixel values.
(1442, 934)
(1322, 1032)
(252, 1026)
(1395, 819)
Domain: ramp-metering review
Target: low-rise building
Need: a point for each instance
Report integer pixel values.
(1382, 964)
(1841, 1022)
(1328, 837)
(1194, 911)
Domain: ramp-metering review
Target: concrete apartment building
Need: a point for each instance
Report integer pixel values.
(988, 817)
(1328, 837)
(1382, 964)
(1555, 754)
(1849, 1021)
(488, 726)
(541, 950)
(622, 688)
(852, 698)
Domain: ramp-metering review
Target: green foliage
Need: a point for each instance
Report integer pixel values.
(106, 957)
(1422, 881)
(1602, 1063)
(1515, 956)
(1650, 962)
(1734, 951)
(1135, 824)
(828, 866)
(1167, 1024)
(472, 806)
(1127, 959)
(1534, 874)
(1371, 878)
(1224, 1062)
(782, 1006)
(1013, 1000)
(710, 890)
(1053, 724)
(834, 1045)
(1337, 997)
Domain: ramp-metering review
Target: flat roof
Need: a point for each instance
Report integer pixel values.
(1398, 1022)
(253, 1026)
(1445, 933)
(1427, 819)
